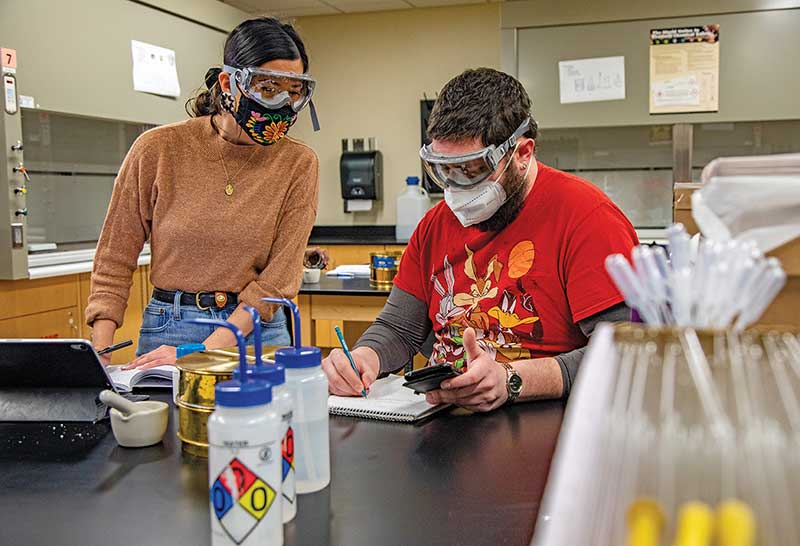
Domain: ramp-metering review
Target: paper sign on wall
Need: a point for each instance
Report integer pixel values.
(588, 80)
(154, 70)
(684, 70)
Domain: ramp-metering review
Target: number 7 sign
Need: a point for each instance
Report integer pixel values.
(8, 59)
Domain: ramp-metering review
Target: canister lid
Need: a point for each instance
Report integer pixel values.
(274, 374)
(236, 394)
(299, 357)
(412, 181)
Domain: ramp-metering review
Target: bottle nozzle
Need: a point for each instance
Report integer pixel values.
(256, 318)
(295, 314)
(239, 341)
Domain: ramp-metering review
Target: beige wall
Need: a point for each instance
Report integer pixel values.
(372, 70)
(754, 83)
(545, 13)
(75, 57)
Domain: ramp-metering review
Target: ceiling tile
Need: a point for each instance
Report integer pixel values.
(353, 6)
(434, 3)
(285, 7)
(299, 8)
(301, 12)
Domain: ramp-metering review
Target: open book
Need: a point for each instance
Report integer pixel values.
(388, 400)
(159, 377)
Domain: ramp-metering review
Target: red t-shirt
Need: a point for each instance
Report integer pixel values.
(524, 288)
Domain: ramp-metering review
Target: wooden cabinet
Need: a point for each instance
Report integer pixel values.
(355, 254)
(350, 254)
(27, 297)
(55, 308)
(58, 323)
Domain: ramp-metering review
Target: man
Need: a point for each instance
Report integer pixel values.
(508, 272)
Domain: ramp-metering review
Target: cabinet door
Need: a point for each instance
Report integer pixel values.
(30, 296)
(350, 254)
(59, 323)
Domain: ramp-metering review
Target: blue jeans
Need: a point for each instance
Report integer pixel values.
(166, 324)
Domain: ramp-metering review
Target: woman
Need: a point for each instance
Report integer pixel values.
(225, 198)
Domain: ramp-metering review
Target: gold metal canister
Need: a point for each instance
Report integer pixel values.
(383, 267)
(199, 375)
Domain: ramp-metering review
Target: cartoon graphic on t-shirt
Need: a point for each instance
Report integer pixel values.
(499, 322)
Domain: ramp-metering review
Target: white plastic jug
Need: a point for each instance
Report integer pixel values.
(412, 205)
(309, 387)
(244, 466)
(244, 459)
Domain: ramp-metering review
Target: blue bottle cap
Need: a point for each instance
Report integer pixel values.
(299, 357)
(273, 374)
(236, 394)
(412, 181)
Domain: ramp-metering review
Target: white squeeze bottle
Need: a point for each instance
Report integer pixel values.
(283, 403)
(309, 386)
(244, 459)
(412, 205)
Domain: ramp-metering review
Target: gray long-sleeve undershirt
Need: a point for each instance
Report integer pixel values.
(403, 328)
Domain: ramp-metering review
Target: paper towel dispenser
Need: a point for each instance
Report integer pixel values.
(361, 175)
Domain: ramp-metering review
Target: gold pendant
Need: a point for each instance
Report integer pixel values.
(229, 189)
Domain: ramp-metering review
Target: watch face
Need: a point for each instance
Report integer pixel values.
(515, 383)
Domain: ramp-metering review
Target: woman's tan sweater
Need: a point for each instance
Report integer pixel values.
(171, 191)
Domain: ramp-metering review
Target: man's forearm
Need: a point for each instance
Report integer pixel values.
(541, 379)
(547, 378)
(570, 362)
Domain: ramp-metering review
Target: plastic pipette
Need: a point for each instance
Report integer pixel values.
(631, 287)
(645, 523)
(736, 524)
(679, 246)
(695, 525)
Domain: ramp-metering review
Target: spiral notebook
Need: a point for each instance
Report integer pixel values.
(388, 400)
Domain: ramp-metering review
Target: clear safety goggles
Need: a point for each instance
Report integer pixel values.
(271, 88)
(469, 169)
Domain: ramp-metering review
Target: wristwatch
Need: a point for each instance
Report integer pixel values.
(513, 382)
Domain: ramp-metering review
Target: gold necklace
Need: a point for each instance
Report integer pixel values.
(229, 179)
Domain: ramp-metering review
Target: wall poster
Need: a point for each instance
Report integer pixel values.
(684, 70)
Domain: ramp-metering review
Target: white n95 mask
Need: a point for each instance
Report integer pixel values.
(476, 204)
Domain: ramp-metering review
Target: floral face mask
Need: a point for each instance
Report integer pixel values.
(263, 125)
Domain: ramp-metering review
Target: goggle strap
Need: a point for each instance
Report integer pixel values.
(313, 111)
(232, 72)
(512, 140)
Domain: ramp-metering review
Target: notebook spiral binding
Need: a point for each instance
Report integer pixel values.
(369, 414)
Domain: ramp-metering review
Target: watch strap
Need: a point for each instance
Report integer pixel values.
(510, 371)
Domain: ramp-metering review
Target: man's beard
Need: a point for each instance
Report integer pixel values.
(514, 186)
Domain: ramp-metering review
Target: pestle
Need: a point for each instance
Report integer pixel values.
(136, 424)
(123, 405)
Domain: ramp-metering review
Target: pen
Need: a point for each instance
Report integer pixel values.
(349, 356)
(112, 348)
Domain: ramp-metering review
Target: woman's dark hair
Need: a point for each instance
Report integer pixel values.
(252, 43)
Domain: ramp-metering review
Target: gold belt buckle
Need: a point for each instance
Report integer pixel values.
(221, 299)
(197, 302)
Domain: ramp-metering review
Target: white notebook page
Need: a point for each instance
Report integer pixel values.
(387, 400)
